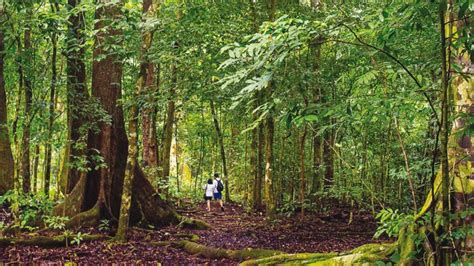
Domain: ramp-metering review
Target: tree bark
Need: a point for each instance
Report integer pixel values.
(220, 138)
(6, 156)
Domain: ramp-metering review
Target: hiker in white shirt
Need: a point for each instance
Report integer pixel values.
(208, 193)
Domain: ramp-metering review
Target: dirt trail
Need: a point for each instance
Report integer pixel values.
(232, 229)
(235, 229)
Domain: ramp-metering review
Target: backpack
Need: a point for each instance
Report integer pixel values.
(220, 186)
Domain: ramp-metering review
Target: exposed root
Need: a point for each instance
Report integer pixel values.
(45, 241)
(189, 223)
(299, 258)
(219, 253)
(90, 217)
(369, 253)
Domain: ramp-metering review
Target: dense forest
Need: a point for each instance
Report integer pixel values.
(342, 131)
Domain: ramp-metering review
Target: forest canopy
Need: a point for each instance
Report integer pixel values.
(115, 113)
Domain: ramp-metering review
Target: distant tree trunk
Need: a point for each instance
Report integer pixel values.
(302, 141)
(52, 104)
(176, 154)
(269, 196)
(317, 156)
(256, 146)
(77, 96)
(6, 156)
(220, 138)
(257, 189)
(270, 129)
(25, 146)
(17, 155)
(168, 130)
(407, 165)
(328, 159)
(260, 158)
(36, 155)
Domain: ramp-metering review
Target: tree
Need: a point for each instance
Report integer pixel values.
(150, 152)
(6, 157)
(170, 120)
(270, 128)
(220, 138)
(52, 102)
(27, 76)
(97, 195)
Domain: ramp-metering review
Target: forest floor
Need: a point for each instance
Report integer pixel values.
(232, 229)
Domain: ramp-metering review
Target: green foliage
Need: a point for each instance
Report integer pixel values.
(77, 238)
(28, 209)
(104, 225)
(391, 221)
(56, 222)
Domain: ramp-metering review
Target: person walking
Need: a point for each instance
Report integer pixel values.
(208, 193)
(218, 188)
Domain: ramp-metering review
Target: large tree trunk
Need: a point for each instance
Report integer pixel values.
(453, 186)
(6, 156)
(220, 138)
(97, 195)
(25, 143)
(77, 97)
